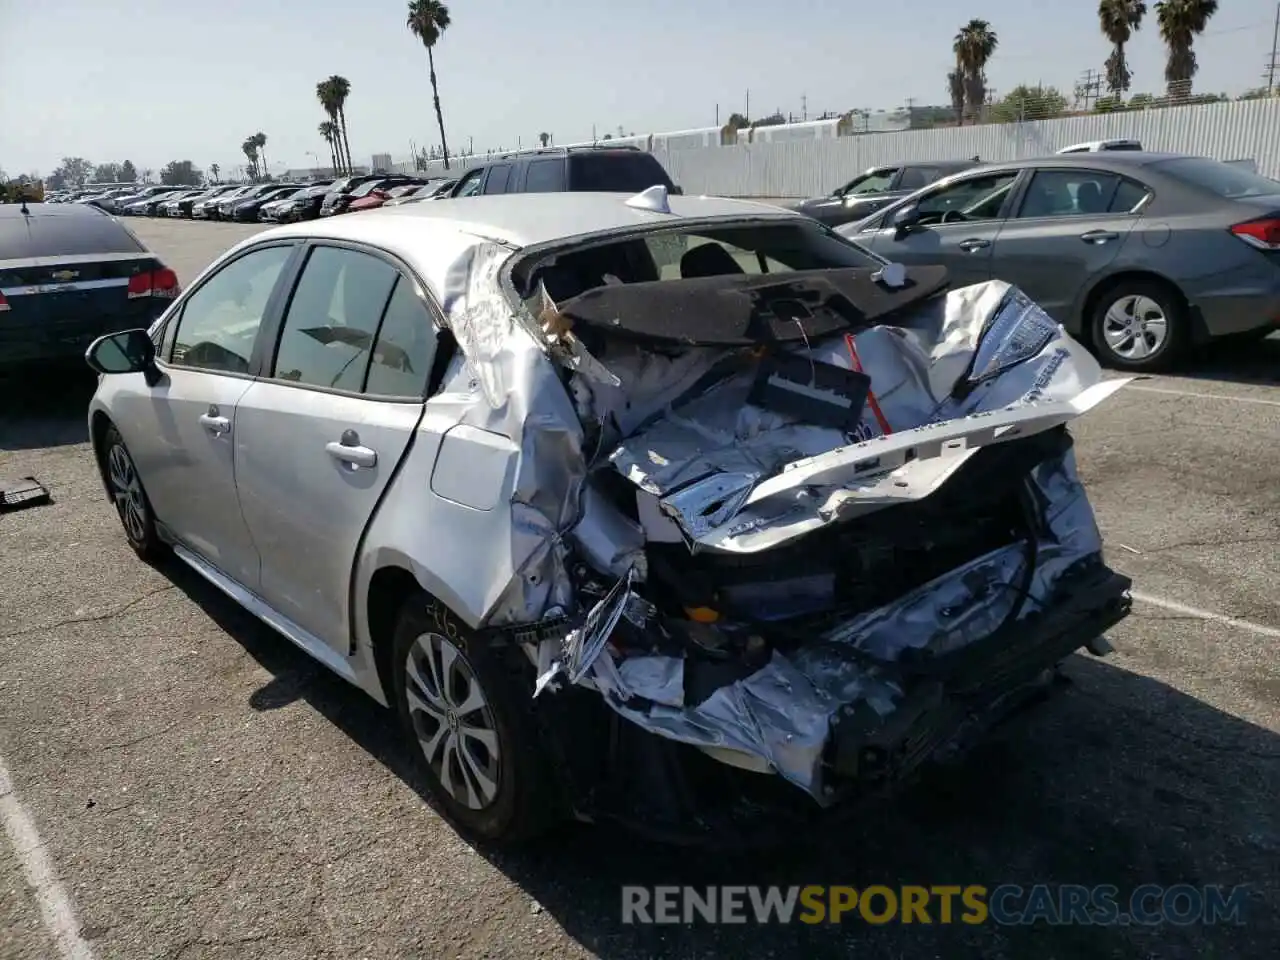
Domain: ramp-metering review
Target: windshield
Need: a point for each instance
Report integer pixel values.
(1220, 179)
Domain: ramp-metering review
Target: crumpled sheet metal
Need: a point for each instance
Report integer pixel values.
(1028, 375)
(782, 713)
(521, 398)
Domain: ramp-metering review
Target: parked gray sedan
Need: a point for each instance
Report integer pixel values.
(1143, 255)
(595, 492)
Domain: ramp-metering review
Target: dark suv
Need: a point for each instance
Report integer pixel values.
(566, 170)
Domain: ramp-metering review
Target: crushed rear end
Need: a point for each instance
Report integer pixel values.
(828, 527)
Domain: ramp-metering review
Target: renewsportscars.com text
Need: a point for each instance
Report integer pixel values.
(1006, 904)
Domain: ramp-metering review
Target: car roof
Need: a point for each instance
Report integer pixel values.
(521, 219)
(1102, 158)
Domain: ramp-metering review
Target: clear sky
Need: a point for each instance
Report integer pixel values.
(154, 81)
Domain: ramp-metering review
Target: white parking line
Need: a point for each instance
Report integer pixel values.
(1203, 396)
(56, 911)
(1181, 608)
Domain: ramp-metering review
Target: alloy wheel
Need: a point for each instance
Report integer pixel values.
(126, 490)
(453, 720)
(1135, 327)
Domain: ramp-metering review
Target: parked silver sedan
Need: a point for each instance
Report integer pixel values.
(629, 507)
(1144, 255)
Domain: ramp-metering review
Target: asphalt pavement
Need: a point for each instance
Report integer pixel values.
(182, 783)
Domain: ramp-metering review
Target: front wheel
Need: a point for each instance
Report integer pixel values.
(1139, 325)
(471, 726)
(130, 498)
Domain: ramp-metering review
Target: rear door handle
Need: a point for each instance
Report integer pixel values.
(217, 424)
(1098, 236)
(349, 450)
(968, 246)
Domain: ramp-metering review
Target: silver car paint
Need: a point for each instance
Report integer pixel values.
(497, 460)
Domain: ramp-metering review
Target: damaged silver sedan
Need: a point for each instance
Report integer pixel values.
(682, 511)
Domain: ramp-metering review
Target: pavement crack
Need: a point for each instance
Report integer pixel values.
(1228, 542)
(151, 735)
(94, 618)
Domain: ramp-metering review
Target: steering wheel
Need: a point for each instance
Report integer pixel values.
(952, 216)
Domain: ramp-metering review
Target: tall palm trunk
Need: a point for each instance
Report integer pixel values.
(435, 94)
(333, 157)
(346, 144)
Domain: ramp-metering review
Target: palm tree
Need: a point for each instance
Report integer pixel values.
(250, 149)
(329, 130)
(214, 169)
(1181, 21)
(260, 145)
(341, 87)
(955, 86)
(327, 94)
(543, 138)
(428, 20)
(973, 46)
(1119, 20)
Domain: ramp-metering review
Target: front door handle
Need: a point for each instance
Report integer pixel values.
(212, 421)
(349, 450)
(969, 246)
(1098, 236)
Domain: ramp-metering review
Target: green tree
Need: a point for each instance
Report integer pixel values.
(955, 87)
(1181, 21)
(1142, 101)
(332, 94)
(181, 173)
(1026, 102)
(974, 46)
(250, 150)
(543, 138)
(428, 20)
(127, 172)
(214, 170)
(107, 173)
(1258, 93)
(1119, 20)
(329, 131)
(76, 170)
(260, 144)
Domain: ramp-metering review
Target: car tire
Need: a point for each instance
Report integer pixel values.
(1140, 325)
(129, 496)
(469, 721)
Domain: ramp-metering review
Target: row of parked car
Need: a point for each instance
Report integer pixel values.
(266, 202)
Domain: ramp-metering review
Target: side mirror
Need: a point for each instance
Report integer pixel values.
(129, 351)
(904, 219)
(676, 191)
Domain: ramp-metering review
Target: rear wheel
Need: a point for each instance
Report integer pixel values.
(129, 496)
(471, 726)
(1140, 325)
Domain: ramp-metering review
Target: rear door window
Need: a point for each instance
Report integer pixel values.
(1068, 193)
(545, 176)
(618, 172)
(332, 319)
(406, 345)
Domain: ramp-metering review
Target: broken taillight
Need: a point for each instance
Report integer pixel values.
(161, 283)
(1263, 234)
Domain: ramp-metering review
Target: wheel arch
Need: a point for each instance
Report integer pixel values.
(1105, 285)
(99, 424)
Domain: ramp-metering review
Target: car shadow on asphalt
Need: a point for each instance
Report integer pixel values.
(1116, 779)
(1249, 362)
(46, 407)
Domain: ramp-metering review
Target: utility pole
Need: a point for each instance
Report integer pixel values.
(1273, 64)
(717, 114)
(1089, 88)
(748, 107)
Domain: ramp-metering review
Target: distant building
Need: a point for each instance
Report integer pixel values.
(381, 162)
